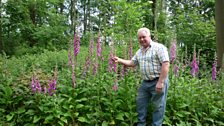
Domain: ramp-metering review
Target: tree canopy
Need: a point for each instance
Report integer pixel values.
(29, 26)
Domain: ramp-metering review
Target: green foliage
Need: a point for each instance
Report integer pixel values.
(33, 23)
(127, 18)
(194, 24)
(191, 101)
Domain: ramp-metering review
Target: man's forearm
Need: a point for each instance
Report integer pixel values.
(129, 63)
(164, 72)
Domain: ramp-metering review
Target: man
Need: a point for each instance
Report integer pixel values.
(153, 61)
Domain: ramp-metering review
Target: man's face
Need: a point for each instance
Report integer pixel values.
(144, 39)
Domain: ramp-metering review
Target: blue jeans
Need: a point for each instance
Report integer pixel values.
(147, 94)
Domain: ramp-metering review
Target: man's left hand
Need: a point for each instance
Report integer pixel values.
(159, 86)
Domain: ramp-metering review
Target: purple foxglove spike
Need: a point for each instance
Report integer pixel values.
(173, 52)
(194, 66)
(38, 86)
(52, 87)
(76, 44)
(95, 67)
(214, 71)
(99, 49)
(91, 47)
(33, 85)
(115, 87)
(122, 71)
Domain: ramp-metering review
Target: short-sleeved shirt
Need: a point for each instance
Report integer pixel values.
(150, 60)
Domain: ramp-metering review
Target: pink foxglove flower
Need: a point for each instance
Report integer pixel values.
(115, 87)
(194, 66)
(99, 48)
(95, 67)
(76, 44)
(38, 87)
(214, 71)
(110, 63)
(173, 52)
(86, 65)
(33, 85)
(52, 87)
(122, 73)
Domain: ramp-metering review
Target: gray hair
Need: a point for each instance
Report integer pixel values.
(145, 30)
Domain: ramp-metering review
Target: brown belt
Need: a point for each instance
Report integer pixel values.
(157, 78)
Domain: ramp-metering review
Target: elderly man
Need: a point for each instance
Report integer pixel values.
(153, 61)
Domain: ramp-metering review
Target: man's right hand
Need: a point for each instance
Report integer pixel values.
(116, 59)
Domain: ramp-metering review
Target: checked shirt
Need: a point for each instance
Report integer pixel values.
(150, 60)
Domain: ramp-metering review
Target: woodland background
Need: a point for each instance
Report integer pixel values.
(29, 26)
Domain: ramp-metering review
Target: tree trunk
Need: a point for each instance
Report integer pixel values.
(33, 12)
(154, 11)
(89, 26)
(1, 40)
(85, 16)
(219, 11)
(73, 16)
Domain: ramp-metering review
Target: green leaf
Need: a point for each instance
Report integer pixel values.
(76, 114)
(71, 106)
(8, 92)
(61, 123)
(209, 119)
(21, 110)
(41, 108)
(120, 116)
(67, 114)
(112, 122)
(64, 120)
(82, 119)
(10, 116)
(36, 119)
(2, 110)
(49, 118)
(82, 99)
(105, 123)
(30, 112)
(179, 114)
(79, 106)
(127, 114)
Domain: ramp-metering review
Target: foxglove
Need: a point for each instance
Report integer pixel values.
(214, 71)
(115, 87)
(173, 52)
(194, 66)
(51, 87)
(76, 44)
(99, 49)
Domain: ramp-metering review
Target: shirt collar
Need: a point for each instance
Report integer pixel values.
(150, 45)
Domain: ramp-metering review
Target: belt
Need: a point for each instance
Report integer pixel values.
(157, 78)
